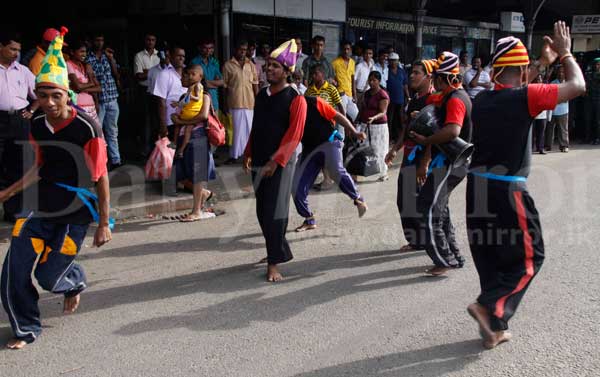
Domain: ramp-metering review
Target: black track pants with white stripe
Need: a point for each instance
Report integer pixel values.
(432, 203)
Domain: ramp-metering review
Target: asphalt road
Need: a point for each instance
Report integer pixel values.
(171, 299)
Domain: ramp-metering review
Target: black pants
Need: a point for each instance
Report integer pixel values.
(396, 121)
(539, 130)
(432, 203)
(16, 156)
(506, 242)
(406, 200)
(272, 208)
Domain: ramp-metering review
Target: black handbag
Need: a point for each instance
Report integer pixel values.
(360, 158)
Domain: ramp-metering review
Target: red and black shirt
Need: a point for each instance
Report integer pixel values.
(502, 121)
(72, 153)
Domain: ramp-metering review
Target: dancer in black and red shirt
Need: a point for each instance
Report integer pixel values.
(504, 227)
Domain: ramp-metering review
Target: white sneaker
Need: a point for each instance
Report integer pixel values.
(207, 215)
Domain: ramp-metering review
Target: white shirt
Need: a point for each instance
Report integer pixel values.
(542, 115)
(168, 87)
(384, 73)
(152, 73)
(16, 85)
(361, 75)
(143, 60)
(484, 77)
(300, 60)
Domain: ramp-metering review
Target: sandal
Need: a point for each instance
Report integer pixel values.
(361, 205)
(190, 218)
(436, 271)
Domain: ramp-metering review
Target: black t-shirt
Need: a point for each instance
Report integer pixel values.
(502, 127)
(74, 154)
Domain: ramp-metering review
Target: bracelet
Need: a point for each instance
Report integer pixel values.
(569, 55)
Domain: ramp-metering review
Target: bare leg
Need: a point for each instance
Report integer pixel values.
(273, 274)
(71, 304)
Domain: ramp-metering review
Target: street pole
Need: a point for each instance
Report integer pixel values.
(419, 21)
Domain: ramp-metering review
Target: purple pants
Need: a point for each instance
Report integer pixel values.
(329, 156)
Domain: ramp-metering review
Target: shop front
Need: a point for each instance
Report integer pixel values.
(276, 21)
(438, 35)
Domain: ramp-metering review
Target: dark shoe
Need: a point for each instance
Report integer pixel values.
(112, 166)
(565, 150)
(230, 161)
(596, 142)
(541, 151)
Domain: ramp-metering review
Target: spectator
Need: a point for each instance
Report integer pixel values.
(361, 81)
(560, 118)
(212, 70)
(261, 65)
(142, 63)
(464, 65)
(397, 88)
(344, 69)
(35, 64)
(105, 68)
(144, 60)
(301, 55)
(317, 57)
(17, 105)
(373, 114)
(592, 103)
(297, 80)
(241, 81)
(476, 79)
(539, 124)
(382, 67)
(251, 52)
(168, 89)
(83, 81)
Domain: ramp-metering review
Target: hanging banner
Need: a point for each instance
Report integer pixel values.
(586, 24)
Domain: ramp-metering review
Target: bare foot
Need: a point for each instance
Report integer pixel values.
(498, 338)
(481, 315)
(16, 344)
(407, 248)
(436, 271)
(361, 205)
(273, 274)
(71, 304)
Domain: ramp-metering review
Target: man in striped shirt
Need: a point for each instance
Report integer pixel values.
(321, 88)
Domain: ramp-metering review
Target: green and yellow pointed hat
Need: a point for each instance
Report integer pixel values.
(54, 67)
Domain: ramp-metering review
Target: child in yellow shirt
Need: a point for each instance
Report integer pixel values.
(190, 105)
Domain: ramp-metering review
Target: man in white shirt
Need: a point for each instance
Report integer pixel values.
(382, 66)
(361, 74)
(476, 79)
(301, 55)
(142, 63)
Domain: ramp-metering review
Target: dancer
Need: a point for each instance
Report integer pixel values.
(503, 224)
(415, 160)
(454, 111)
(277, 128)
(70, 156)
(322, 149)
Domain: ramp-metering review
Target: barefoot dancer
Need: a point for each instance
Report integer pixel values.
(322, 150)
(415, 160)
(71, 156)
(277, 127)
(504, 226)
(454, 110)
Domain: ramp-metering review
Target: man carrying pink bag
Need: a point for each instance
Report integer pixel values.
(160, 163)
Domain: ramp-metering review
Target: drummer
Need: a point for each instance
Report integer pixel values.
(453, 106)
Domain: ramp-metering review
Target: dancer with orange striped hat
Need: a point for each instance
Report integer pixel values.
(504, 229)
(453, 109)
(415, 159)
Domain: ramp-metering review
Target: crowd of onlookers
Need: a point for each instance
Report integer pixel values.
(370, 87)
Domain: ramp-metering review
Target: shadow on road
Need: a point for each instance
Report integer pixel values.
(432, 361)
(222, 244)
(242, 311)
(248, 277)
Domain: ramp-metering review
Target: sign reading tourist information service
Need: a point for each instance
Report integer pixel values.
(388, 25)
(588, 24)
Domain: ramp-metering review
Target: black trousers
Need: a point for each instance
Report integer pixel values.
(395, 116)
(506, 242)
(406, 201)
(432, 203)
(539, 132)
(272, 209)
(16, 156)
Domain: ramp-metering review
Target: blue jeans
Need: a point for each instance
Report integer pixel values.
(108, 115)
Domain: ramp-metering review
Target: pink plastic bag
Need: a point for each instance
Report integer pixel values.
(160, 163)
